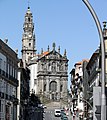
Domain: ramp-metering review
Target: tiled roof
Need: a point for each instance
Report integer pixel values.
(79, 63)
(43, 54)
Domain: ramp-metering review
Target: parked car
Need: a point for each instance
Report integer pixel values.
(44, 106)
(57, 112)
(62, 113)
(64, 117)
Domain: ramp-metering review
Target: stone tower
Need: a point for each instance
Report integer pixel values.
(48, 70)
(28, 38)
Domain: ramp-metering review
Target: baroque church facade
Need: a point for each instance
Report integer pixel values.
(48, 70)
(52, 74)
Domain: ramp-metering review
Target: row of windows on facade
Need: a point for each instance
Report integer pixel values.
(29, 45)
(29, 37)
(53, 87)
(28, 19)
(29, 53)
(53, 67)
(4, 109)
(28, 25)
(7, 88)
(7, 68)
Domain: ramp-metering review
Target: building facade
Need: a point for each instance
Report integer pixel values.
(48, 70)
(8, 82)
(52, 77)
(23, 91)
(91, 82)
(33, 65)
(94, 80)
(94, 76)
(77, 89)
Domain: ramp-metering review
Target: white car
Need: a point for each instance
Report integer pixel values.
(57, 112)
(44, 106)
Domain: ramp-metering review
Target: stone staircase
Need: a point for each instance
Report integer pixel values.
(53, 105)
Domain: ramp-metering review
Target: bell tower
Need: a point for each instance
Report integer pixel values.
(28, 38)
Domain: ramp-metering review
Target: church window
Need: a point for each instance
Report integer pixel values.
(61, 88)
(53, 86)
(29, 44)
(35, 81)
(45, 87)
(49, 66)
(28, 19)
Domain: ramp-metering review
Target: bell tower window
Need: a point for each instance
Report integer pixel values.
(29, 44)
(28, 19)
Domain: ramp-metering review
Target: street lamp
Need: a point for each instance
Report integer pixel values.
(103, 97)
(87, 102)
(84, 100)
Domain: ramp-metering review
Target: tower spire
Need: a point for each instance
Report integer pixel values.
(28, 37)
(28, 4)
(105, 30)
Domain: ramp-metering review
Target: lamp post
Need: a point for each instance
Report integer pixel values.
(84, 100)
(103, 97)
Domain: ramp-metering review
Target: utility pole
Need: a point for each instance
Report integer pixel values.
(103, 97)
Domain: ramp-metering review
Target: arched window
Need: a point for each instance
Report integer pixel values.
(53, 86)
(29, 44)
(28, 19)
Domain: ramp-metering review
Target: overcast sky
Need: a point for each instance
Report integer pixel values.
(68, 23)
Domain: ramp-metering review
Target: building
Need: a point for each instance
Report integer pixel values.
(48, 70)
(23, 91)
(28, 38)
(105, 40)
(52, 77)
(28, 48)
(94, 76)
(91, 78)
(86, 89)
(8, 82)
(94, 79)
(77, 88)
(33, 65)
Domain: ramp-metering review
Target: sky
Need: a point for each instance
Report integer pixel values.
(68, 23)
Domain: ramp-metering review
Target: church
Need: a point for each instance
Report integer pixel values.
(48, 70)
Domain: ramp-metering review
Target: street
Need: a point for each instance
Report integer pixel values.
(49, 114)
